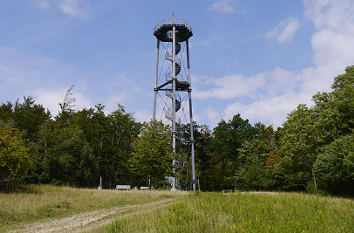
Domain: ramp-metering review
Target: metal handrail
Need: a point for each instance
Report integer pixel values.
(173, 21)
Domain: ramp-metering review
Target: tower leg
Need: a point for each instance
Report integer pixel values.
(192, 138)
(191, 116)
(156, 79)
(154, 108)
(174, 105)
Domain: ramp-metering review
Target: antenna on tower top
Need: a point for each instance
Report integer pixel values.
(173, 16)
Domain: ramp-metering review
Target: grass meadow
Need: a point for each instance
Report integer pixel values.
(188, 212)
(42, 202)
(244, 212)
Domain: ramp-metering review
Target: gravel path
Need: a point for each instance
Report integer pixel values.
(90, 220)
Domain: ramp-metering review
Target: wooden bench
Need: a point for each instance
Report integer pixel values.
(122, 187)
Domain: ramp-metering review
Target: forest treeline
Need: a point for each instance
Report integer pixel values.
(312, 151)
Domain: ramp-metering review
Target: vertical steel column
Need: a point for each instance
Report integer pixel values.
(174, 100)
(190, 114)
(156, 79)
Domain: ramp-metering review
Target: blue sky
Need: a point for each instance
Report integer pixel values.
(257, 58)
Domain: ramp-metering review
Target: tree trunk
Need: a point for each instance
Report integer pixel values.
(150, 178)
(314, 178)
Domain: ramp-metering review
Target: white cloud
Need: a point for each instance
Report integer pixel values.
(47, 80)
(222, 6)
(231, 86)
(269, 110)
(257, 86)
(76, 8)
(332, 41)
(284, 31)
(334, 15)
(50, 98)
(212, 115)
(143, 115)
(115, 100)
(272, 95)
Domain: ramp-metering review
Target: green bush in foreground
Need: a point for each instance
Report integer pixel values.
(245, 212)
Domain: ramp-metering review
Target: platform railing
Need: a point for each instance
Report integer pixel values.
(173, 21)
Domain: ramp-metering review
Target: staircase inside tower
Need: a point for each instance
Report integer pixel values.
(169, 57)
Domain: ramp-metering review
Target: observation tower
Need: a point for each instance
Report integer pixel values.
(173, 81)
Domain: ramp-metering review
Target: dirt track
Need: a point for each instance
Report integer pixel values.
(90, 220)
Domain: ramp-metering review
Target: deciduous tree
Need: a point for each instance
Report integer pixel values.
(152, 154)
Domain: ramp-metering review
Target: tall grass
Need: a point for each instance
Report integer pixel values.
(45, 201)
(244, 212)
(196, 212)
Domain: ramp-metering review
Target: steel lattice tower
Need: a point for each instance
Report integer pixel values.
(173, 78)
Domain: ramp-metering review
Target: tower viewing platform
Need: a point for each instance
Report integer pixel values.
(163, 30)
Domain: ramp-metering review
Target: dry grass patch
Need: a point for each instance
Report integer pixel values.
(50, 202)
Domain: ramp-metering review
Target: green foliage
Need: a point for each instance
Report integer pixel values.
(6, 112)
(240, 155)
(254, 174)
(311, 151)
(309, 130)
(14, 159)
(343, 101)
(334, 166)
(151, 157)
(203, 137)
(110, 136)
(228, 138)
(298, 148)
(67, 107)
(77, 147)
(71, 160)
(28, 117)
